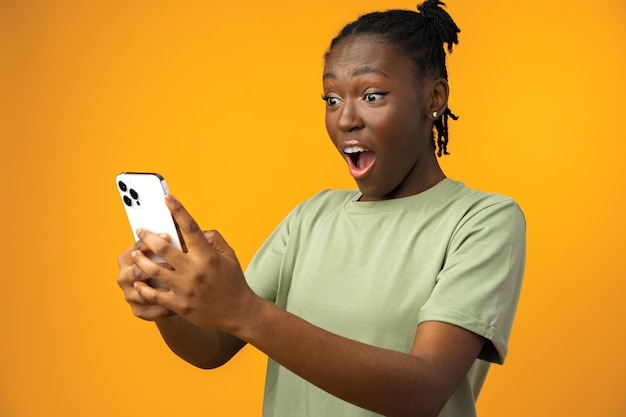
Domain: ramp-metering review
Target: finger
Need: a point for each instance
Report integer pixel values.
(192, 234)
(146, 310)
(128, 275)
(139, 245)
(158, 244)
(156, 296)
(152, 312)
(126, 281)
(150, 269)
(133, 297)
(125, 257)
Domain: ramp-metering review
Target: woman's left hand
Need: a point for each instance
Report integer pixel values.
(206, 285)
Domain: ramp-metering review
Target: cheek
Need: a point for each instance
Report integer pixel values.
(390, 127)
(403, 124)
(403, 137)
(393, 117)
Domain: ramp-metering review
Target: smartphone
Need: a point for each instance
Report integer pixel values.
(143, 197)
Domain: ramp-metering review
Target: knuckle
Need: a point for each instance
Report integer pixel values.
(135, 302)
(145, 313)
(212, 260)
(154, 271)
(200, 273)
(125, 257)
(129, 299)
(162, 248)
(148, 270)
(211, 235)
(178, 210)
(185, 308)
(124, 278)
(150, 297)
(191, 227)
(135, 299)
(122, 260)
(120, 280)
(213, 263)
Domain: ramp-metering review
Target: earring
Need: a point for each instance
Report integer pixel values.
(435, 114)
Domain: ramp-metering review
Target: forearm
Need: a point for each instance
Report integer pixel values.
(200, 347)
(387, 382)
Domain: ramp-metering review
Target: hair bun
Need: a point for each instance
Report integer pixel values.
(441, 21)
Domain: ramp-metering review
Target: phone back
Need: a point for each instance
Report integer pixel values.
(143, 196)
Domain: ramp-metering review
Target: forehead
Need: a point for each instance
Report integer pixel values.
(356, 55)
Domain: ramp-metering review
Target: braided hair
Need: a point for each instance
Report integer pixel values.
(420, 36)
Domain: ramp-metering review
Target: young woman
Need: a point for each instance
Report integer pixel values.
(388, 300)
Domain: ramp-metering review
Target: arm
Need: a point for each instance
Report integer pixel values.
(201, 347)
(387, 382)
(207, 287)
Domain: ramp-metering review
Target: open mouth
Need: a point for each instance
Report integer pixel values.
(360, 160)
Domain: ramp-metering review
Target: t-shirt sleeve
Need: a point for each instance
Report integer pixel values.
(479, 285)
(265, 269)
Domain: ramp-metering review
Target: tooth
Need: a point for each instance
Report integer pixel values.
(354, 149)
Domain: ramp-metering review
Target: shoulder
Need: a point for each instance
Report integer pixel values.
(476, 216)
(469, 202)
(465, 213)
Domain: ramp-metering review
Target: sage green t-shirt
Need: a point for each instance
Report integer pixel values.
(372, 271)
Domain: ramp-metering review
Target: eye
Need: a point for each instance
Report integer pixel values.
(372, 97)
(330, 100)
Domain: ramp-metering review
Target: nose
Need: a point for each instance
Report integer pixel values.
(349, 118)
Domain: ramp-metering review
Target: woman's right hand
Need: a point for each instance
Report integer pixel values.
(129, 274)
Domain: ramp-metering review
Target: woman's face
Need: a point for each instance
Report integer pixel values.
(380, 118)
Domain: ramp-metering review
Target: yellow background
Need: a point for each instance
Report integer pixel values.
(222, 98)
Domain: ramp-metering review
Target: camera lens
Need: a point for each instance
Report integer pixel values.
(128, 201)
(122, 185)
(134, 194)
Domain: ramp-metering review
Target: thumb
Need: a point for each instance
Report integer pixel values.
(218, 243)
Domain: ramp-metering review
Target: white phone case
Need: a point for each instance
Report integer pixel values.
(143, 197)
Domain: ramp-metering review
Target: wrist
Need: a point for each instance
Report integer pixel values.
(249, 319)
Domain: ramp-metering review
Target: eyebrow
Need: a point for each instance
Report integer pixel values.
(357, 72)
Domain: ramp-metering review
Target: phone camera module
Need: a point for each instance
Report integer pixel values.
(135, 196)
(122, 186)
(128, 201)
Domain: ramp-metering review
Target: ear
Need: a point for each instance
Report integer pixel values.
(438, 100)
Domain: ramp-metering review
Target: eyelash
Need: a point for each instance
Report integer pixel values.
(326, 98)
(378, 93)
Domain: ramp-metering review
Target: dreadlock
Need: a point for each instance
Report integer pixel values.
(420, 36)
